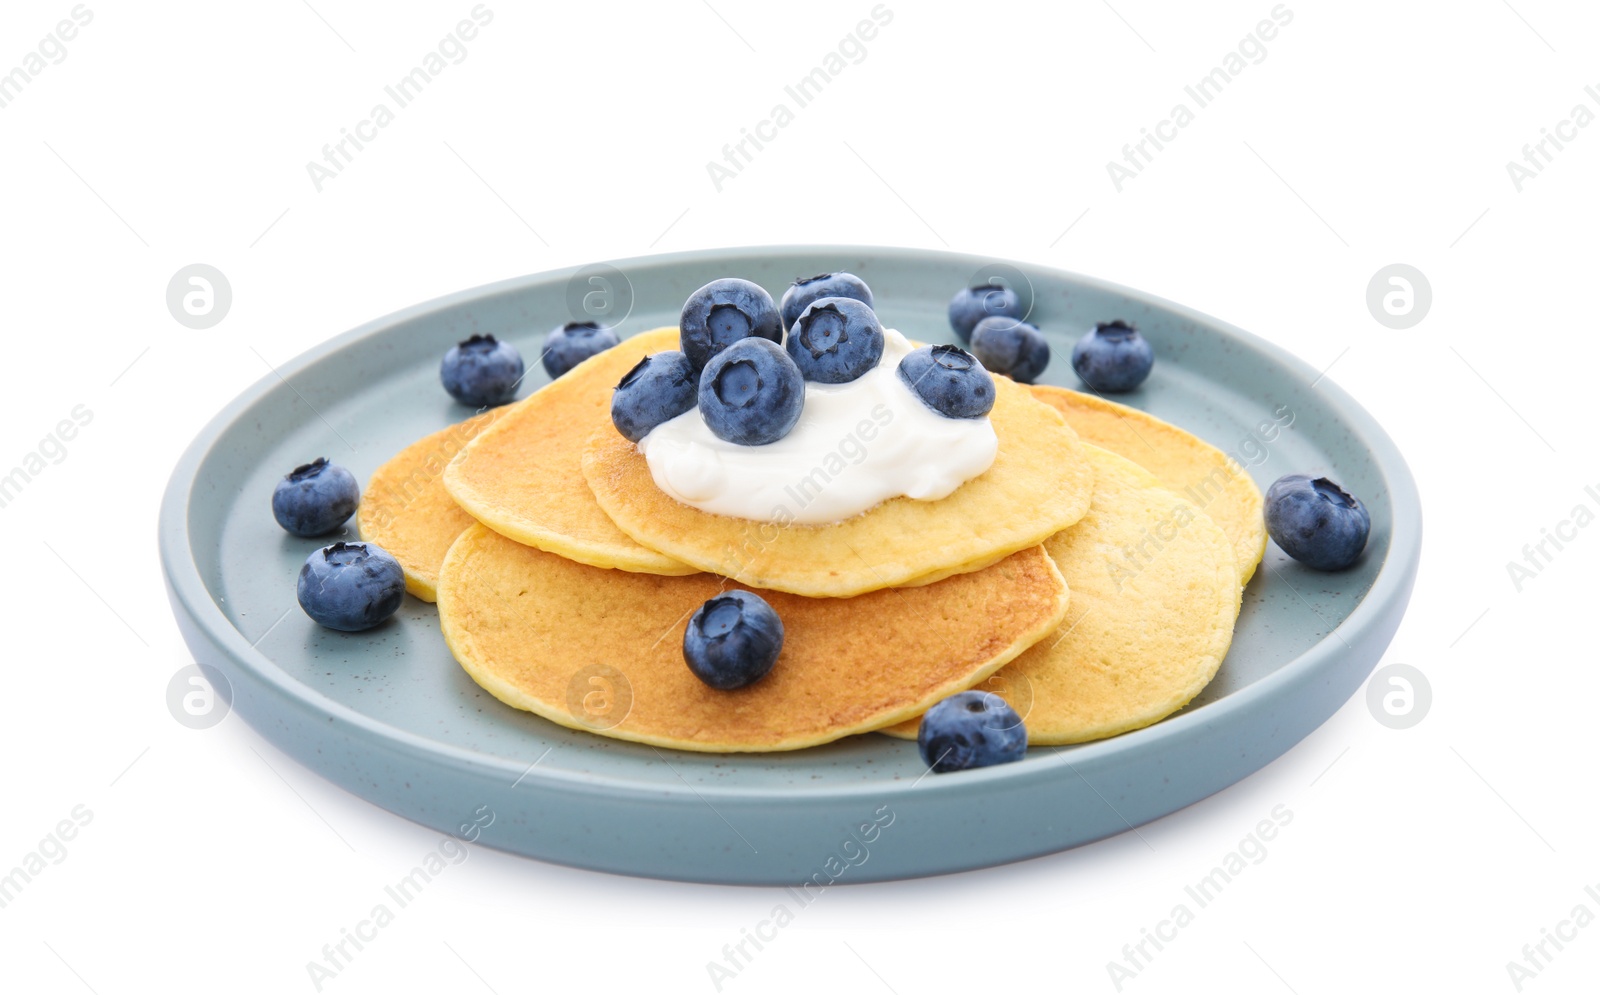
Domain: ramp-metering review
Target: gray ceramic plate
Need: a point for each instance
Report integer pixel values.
(389, 716)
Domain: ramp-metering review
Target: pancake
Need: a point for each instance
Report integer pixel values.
(1208, 477)
(1155, 594)
(522, 478)
(406, 509)
(1038, 485)
(602, 650)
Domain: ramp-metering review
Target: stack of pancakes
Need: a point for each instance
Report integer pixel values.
(1077, 577)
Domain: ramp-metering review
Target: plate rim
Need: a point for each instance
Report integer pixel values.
(1393, 580)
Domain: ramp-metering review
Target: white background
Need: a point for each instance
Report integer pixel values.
(1372, 133)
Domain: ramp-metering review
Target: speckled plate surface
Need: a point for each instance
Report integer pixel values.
(389, 716)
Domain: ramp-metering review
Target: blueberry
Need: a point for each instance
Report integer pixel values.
(835, 340)
(950, 380)
(482, 372)
(808, 290)
(751, 393)
(733, 640)
(971, 305)
(574, 342)
(721, 313)
(1316, 522)
(315, 499)
(350, 586)
(971, 729)
(1011, 347)
(1113, 358)
(659, 388)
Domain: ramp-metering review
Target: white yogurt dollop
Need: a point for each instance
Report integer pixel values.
(856, 444)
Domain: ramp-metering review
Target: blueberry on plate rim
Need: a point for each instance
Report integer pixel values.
(659, 388)
(807, 290)
(751, 393)
(971, 305)
(1113, 357)
(1316, 521)
(733, 640)
(971, 729)
(1011, 347)
(350, 586)
(835, 340)
(574, 342)
(723, 312)
(316, 498)
(948, 379)
(482, 371)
